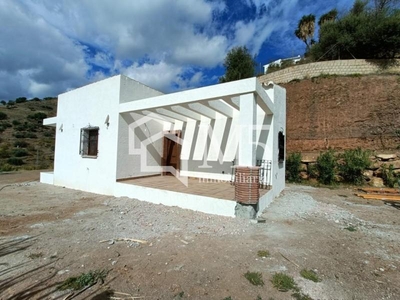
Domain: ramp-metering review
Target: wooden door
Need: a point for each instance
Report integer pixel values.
(171, 150)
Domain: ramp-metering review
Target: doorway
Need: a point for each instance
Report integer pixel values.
(171, 150)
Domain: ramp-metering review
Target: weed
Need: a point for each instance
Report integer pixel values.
(351, 228)
(83, 280)
(310, 275)
(254, 278)
(263, 253)
(228, 298)
(35, 255)
(283, 282)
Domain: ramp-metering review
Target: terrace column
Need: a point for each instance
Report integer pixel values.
(246, 173)
(247, 136)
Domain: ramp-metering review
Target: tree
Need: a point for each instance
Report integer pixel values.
(305, 30)
(239, 64)
(330, 16)
(359, 7)
(361, 33)
(381, 5)
(20, 100)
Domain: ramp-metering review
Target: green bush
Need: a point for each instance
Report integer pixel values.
(21, 100)
(3, 115)
(21, 144)
(20, 135)
(7, 168)
(48, 134)
(31, 135)
(293, 163)
(326, 165)
(39, 116)
(3, 102)
(20, 153)
(15, 161)
(353, 164)
(4, 152)
(388, 176)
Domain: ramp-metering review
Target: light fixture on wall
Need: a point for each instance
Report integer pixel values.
(107, 121)
(61, 128)
(268, 85)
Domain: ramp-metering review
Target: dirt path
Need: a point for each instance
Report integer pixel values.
(48, 234)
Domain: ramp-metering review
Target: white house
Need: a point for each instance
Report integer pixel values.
(279, 62)
(119, 137)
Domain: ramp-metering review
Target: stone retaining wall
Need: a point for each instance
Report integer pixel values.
(335, 67)
(373, 175)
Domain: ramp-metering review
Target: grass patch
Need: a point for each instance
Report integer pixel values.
(310, 275)
(351, 228)
(283, 282)
(35, 255)
(255, 278)
(263, 253)
(300, 296)
(83, 280)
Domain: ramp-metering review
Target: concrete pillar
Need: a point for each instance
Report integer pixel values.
(247, 126)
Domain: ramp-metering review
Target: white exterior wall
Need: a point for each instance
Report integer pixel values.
(278, 95)
(133, 141)
(77, 109)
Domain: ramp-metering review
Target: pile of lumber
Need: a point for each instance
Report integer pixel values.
(384, 194)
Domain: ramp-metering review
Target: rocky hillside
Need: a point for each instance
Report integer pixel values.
(24, 141)
(343, 112)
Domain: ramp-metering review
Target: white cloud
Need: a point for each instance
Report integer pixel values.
(47, 47)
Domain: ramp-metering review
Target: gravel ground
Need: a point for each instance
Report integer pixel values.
(48, 234)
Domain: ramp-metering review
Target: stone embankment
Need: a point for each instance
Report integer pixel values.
(373, 175)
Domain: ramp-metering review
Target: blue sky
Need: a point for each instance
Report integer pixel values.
(48, 47)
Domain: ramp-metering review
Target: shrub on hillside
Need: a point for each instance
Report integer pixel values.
(20, 152)
(293, 163)
(3, 102)
(39, 116)
(6, 168)
(21, 144)
(326, 165)
(20, 135)
(353, 164)
(3, 116)
(4, 152)
(16, 122)
(21, 100)
(15, 161)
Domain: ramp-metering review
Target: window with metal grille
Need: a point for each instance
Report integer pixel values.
(281, 146)
(89, 141)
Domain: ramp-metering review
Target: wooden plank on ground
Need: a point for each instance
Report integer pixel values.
(379, 190)
(380, 197)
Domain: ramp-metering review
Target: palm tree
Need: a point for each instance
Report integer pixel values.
(305, 30)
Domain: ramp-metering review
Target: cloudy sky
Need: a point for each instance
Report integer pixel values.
(48, 47)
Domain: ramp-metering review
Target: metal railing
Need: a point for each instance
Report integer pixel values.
(265, 173)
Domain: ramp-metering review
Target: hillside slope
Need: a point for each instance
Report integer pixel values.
(24, 141)
(343, 113)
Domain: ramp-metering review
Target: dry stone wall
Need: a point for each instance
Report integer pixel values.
(336, 67)
(373, 175)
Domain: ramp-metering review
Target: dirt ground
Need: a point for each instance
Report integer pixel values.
(48, 234)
